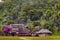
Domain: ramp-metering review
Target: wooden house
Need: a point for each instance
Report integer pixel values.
(43, 32)
(20, 30)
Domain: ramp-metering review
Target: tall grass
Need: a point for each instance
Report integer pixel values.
(30, 38)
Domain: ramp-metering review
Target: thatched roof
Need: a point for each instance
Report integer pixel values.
(19, 27)
(44, 31)
(24, 30)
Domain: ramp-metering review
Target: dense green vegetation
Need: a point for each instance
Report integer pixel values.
(45, 13)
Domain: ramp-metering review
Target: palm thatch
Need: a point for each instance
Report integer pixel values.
(44, 31)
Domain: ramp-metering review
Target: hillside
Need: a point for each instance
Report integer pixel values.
(43, 13)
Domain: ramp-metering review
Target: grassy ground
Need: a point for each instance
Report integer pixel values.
(30, 38)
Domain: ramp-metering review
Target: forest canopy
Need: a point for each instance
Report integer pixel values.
(44, 13)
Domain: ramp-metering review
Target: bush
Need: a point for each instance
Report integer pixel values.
(1, 27)
(10, 22)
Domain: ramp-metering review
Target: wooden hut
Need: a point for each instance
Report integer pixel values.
(20, 30)
(43, 32)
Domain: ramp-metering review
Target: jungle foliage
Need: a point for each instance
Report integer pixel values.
(44, 13)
